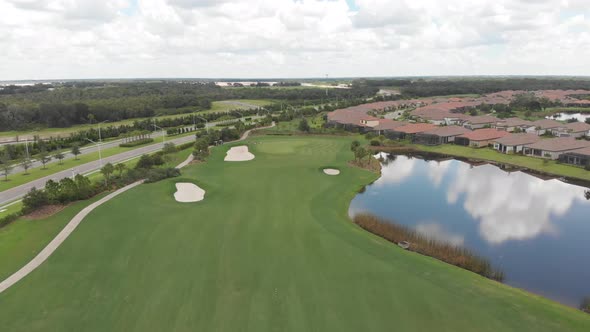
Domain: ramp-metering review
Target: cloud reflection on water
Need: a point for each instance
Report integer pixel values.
(508, 206)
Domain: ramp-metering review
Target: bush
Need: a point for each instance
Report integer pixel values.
(137, 143)
(34, 199)
(585, 305)
(157, 174)
(9, 218)
(146, 161)
(375, 142)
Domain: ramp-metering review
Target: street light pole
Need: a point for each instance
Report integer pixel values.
(163, 132)
(99, 153)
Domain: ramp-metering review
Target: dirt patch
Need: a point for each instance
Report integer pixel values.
(46, 211)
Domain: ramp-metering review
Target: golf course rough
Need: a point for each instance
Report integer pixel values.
(273, 250)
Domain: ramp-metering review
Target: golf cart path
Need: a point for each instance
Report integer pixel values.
(76, 220)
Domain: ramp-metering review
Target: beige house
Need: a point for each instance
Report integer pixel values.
(552, 148)
(515, 143)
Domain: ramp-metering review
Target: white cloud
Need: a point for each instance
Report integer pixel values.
(278, 38)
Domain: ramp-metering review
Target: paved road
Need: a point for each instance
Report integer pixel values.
(15, 193)
(157, 136)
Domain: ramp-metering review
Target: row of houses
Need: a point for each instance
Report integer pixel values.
(482, 131)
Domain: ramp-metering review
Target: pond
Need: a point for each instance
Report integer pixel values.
(537, 231)
(568, 116)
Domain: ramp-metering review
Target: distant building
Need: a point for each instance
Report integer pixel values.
(579, 157)
(480, 138)
(573, 129)
(546, 125)
(440, 135)
(409, 130)
(515, 124)
(515, 143)
(386, 125)
(478, 122)
(552, 148)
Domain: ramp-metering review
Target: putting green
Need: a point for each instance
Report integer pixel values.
(270, 249)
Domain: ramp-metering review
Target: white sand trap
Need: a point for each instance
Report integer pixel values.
(239, 153)
(331, 171)
(188, 193)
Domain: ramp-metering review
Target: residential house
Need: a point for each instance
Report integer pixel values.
(481, 137)
(579, 157)
(440, 135)
(409, 130)
(552, 148)
(573, 129)
(351, 119)
(546, 125)
(386, 125)
(515, 124)
(515, 143)
(478, 122)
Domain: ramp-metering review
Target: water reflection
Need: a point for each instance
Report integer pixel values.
(568, 116)
(436, 231)
(511, 205)
(536, 230)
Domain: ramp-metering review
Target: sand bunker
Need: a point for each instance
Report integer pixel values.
(188, 192)
(331, 171)
(238, 153)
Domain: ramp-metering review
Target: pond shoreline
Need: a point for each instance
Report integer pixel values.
(415, 151)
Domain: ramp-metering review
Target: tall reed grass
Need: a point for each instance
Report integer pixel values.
(455, 255)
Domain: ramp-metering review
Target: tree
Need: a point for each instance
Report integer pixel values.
(107, 170)
(26, 164)
(360, 153)
(585, 305)
(120, 167)
(304, 125)
(169, 148)
(34, 199)
(5, 167)
(44, 157)
(76, 151)
(84, 186)
(59, 156)
(354, 145)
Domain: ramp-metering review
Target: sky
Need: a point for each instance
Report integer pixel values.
(74, 39)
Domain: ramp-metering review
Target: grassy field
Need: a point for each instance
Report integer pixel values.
(270, 248)
(538, 164)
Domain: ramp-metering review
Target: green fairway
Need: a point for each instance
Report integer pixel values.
(271, 248)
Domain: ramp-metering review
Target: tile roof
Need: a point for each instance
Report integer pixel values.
(547, 124)
(447, 131)
(387, 124)
(577, 127)
(414, 128)
(485, 134)
(482, 119)
(513, 122)
(583, 151)
(559, 144)
(518, 139)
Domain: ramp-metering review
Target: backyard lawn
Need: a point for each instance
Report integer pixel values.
(270, 248)
(538, 164)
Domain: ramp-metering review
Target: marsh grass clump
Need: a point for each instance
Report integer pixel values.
(455, 255)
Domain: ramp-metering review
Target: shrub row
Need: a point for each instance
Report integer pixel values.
(136, 143)
(419, 243)
(9, 218)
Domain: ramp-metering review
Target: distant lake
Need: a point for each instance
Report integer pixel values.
(537, 231)
(568, 116)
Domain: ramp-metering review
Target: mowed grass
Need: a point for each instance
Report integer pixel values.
(271, 248)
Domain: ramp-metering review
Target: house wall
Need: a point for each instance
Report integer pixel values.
(480, 144)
